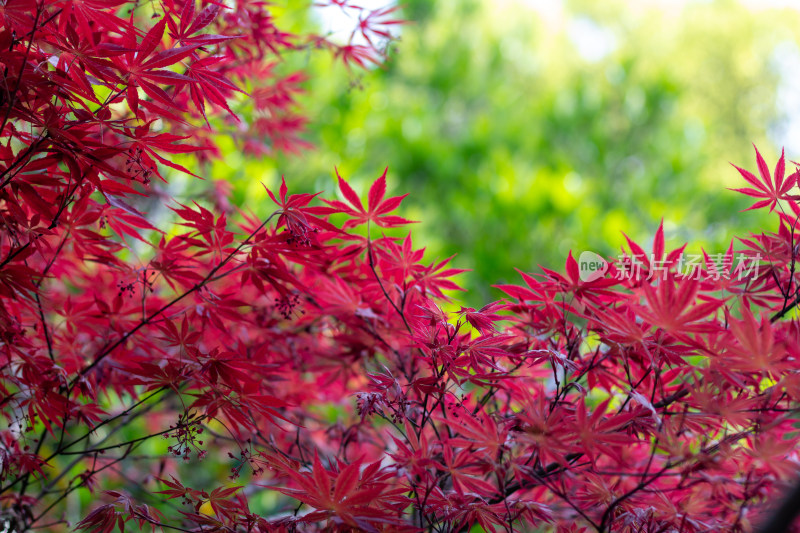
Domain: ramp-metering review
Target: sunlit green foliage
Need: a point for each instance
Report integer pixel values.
(519, 140)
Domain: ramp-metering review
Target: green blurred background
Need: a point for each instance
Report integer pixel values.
(524, 129)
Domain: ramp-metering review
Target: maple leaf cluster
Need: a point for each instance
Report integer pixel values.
(310, 355)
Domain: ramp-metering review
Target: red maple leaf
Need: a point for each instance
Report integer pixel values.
(378, 207)
(771, 188)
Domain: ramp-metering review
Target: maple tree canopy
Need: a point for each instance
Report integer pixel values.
(212, 371)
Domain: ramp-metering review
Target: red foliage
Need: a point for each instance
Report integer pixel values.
(315, 360)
